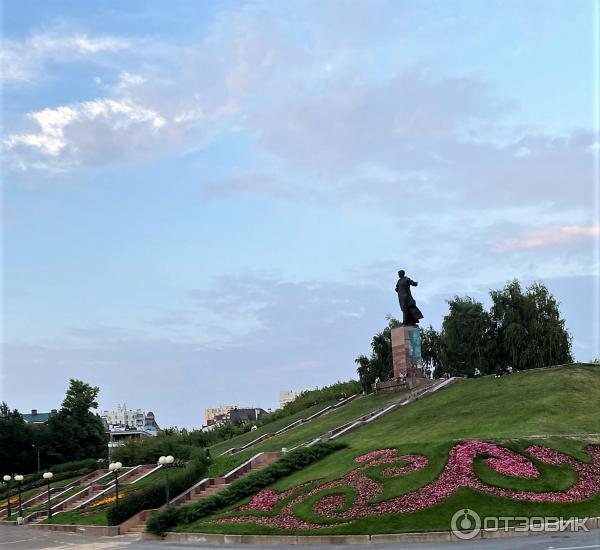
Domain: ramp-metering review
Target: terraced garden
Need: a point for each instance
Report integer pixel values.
(521, 445)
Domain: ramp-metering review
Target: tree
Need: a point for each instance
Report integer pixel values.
(465, 340)
(80, 398)
(431, 351)
(528, 330)
(75, 432)
(16, 440)
(379, 364)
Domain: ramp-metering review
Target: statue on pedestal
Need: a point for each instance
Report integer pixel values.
(410, 312)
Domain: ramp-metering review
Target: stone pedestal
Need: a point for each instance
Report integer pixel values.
(406, 351)
(406, 358)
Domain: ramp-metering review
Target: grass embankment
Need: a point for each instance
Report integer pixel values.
(305, 432)
(542, 407)
(272, 427)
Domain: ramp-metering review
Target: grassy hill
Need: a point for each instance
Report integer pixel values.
(300, 434)
(556, 408)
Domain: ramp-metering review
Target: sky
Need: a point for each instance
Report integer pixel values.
(206, 203)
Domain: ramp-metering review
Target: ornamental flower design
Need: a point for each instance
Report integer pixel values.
(458, 472)
(513, 466)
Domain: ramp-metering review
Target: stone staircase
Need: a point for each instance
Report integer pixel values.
(291, 426)
(93, 491)
(205, 488)
(42, 496)
(418, 393)
(70, 503)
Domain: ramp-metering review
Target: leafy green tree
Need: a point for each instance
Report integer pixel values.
(75, 432)
(528, 329)
(379, 364)
(466, 338)
(16, 441)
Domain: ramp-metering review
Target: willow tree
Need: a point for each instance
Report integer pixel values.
(528, 330)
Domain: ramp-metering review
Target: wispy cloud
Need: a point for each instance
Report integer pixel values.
(551, 236)
(24, 61)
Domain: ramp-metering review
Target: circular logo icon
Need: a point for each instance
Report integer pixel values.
(465, 524)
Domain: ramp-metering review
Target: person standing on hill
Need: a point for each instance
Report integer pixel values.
(410, 312)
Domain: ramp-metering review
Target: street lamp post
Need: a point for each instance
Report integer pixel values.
(166, 462)
(115, 467)
(48, 476)
(7, 481)
(19, 478)
(36, 447)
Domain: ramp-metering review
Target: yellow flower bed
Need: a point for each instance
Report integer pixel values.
(12, 501)
(107, 500)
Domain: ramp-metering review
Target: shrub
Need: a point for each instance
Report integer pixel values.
(149, 449)
(252, 483)
(153, 496)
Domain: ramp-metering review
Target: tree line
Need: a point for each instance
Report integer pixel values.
(523, 329)
(72, 433)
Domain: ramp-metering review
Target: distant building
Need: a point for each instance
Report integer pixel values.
(150, 424)
(211, 413)
(246, 415)
(287, 396)
(124, 419)
(37, 417)
(231, 413)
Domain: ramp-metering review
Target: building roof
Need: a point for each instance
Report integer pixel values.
(38, 418)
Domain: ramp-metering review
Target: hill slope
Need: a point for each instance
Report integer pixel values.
(555, 408)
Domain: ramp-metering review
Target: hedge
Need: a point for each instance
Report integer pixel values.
(153, 496)
(161, 522)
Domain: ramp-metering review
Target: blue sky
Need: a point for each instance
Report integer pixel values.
(207, 202)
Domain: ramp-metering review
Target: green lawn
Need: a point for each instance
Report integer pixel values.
(509, 410)
(74, 518)
(306, 432)
(148, 480)
(272, 427)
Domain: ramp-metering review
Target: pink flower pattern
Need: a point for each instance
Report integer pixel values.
(517, 466)
(457, 473)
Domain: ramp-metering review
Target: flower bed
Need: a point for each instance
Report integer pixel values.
(458, 473)
(107, 500)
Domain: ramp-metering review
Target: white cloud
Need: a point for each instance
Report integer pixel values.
(23, 61)
(69, 134)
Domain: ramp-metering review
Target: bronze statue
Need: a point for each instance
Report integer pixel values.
(410, 312)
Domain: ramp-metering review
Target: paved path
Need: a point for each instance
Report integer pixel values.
(21, 538)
